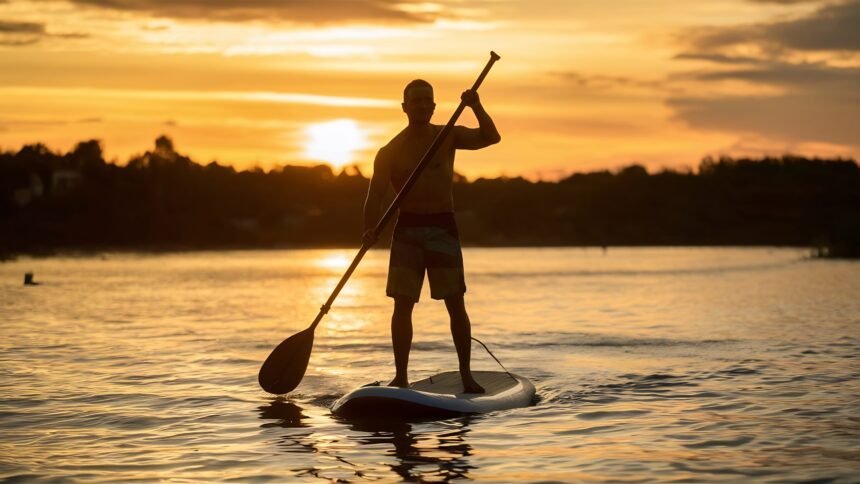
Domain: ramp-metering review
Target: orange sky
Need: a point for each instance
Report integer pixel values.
(582, 85)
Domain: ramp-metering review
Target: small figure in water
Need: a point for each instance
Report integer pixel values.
(28, 279)
(425, 236)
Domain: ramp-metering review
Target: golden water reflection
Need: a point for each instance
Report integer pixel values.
(336, 261)
(655, 362)
(344, 318)
(432, 450)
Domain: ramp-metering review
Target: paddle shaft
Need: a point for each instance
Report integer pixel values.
(395, 204)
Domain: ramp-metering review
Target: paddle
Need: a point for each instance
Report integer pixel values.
(284, 368)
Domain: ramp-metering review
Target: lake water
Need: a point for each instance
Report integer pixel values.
(651, 364)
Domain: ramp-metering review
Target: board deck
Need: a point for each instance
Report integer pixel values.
(450, 383)
(440, 395)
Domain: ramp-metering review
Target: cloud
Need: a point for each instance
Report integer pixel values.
(30, 123)
(21, 28)
(18, 34)
(834, 27)
(821, 103)
(599, 82)
(830, 28)
(70, 35)
(792, 118)
(786, 2)
(298, 11)
(717, 58)
(817, 102)
(19, 42)
(811, 77)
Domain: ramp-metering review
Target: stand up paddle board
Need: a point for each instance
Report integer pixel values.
(438, 396)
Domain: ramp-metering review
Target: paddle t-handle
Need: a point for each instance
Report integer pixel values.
(285, 367)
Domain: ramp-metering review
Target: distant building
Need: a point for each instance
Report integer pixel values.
(31, 187)
(34, 189)
(64, 180)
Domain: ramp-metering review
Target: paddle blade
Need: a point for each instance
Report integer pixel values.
(284, 368)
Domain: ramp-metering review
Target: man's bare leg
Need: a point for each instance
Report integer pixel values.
(461, 330)
(401, 340)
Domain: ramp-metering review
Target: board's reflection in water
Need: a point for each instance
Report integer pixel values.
(432, 450)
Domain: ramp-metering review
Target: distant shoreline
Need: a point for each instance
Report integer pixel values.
(101, 251)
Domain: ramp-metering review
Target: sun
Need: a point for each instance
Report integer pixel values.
(334, 141)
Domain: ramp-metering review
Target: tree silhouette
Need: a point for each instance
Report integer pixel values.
(162, 199)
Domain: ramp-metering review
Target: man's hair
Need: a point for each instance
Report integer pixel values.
(415, 83)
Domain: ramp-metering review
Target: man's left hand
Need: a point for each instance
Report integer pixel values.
(470, 98)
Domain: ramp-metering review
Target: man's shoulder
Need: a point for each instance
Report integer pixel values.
(437, 128)
(393, 142)
(393, 146)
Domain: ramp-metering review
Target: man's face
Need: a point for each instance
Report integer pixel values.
(419, 105)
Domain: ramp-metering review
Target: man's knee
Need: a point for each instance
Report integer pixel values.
(456, 305)
(403, 309)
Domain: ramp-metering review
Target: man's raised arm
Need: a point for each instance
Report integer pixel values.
(485, 135)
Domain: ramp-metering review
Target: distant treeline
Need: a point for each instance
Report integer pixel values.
(164, 200)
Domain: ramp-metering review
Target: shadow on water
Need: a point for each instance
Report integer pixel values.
(286, 414)
(434, 450)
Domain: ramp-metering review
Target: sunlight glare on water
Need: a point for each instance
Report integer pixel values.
(651, 364)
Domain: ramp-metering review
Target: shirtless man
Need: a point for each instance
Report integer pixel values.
(425, 236)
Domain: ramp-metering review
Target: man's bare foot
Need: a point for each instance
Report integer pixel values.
(399, 382)
(471, 386)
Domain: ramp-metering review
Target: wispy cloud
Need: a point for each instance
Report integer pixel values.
(21, 27)
(9, 123)
(297, 11)
(812, 101)
(809, 77)
(718, 58)
(830, 28)
(247, 96)
(17, 34)
(602, 82)
(787, 2)
(792, 118)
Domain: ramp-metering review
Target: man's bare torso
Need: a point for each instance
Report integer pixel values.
(433, 192)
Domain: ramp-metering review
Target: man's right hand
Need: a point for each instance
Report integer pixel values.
(368, 238)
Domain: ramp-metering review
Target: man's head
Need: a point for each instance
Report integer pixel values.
(418, 102)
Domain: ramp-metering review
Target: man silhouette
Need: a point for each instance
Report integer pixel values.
(425, 236)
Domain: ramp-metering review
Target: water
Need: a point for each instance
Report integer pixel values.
(671, 364)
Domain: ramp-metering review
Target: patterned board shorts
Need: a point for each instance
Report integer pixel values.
(425, 242)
